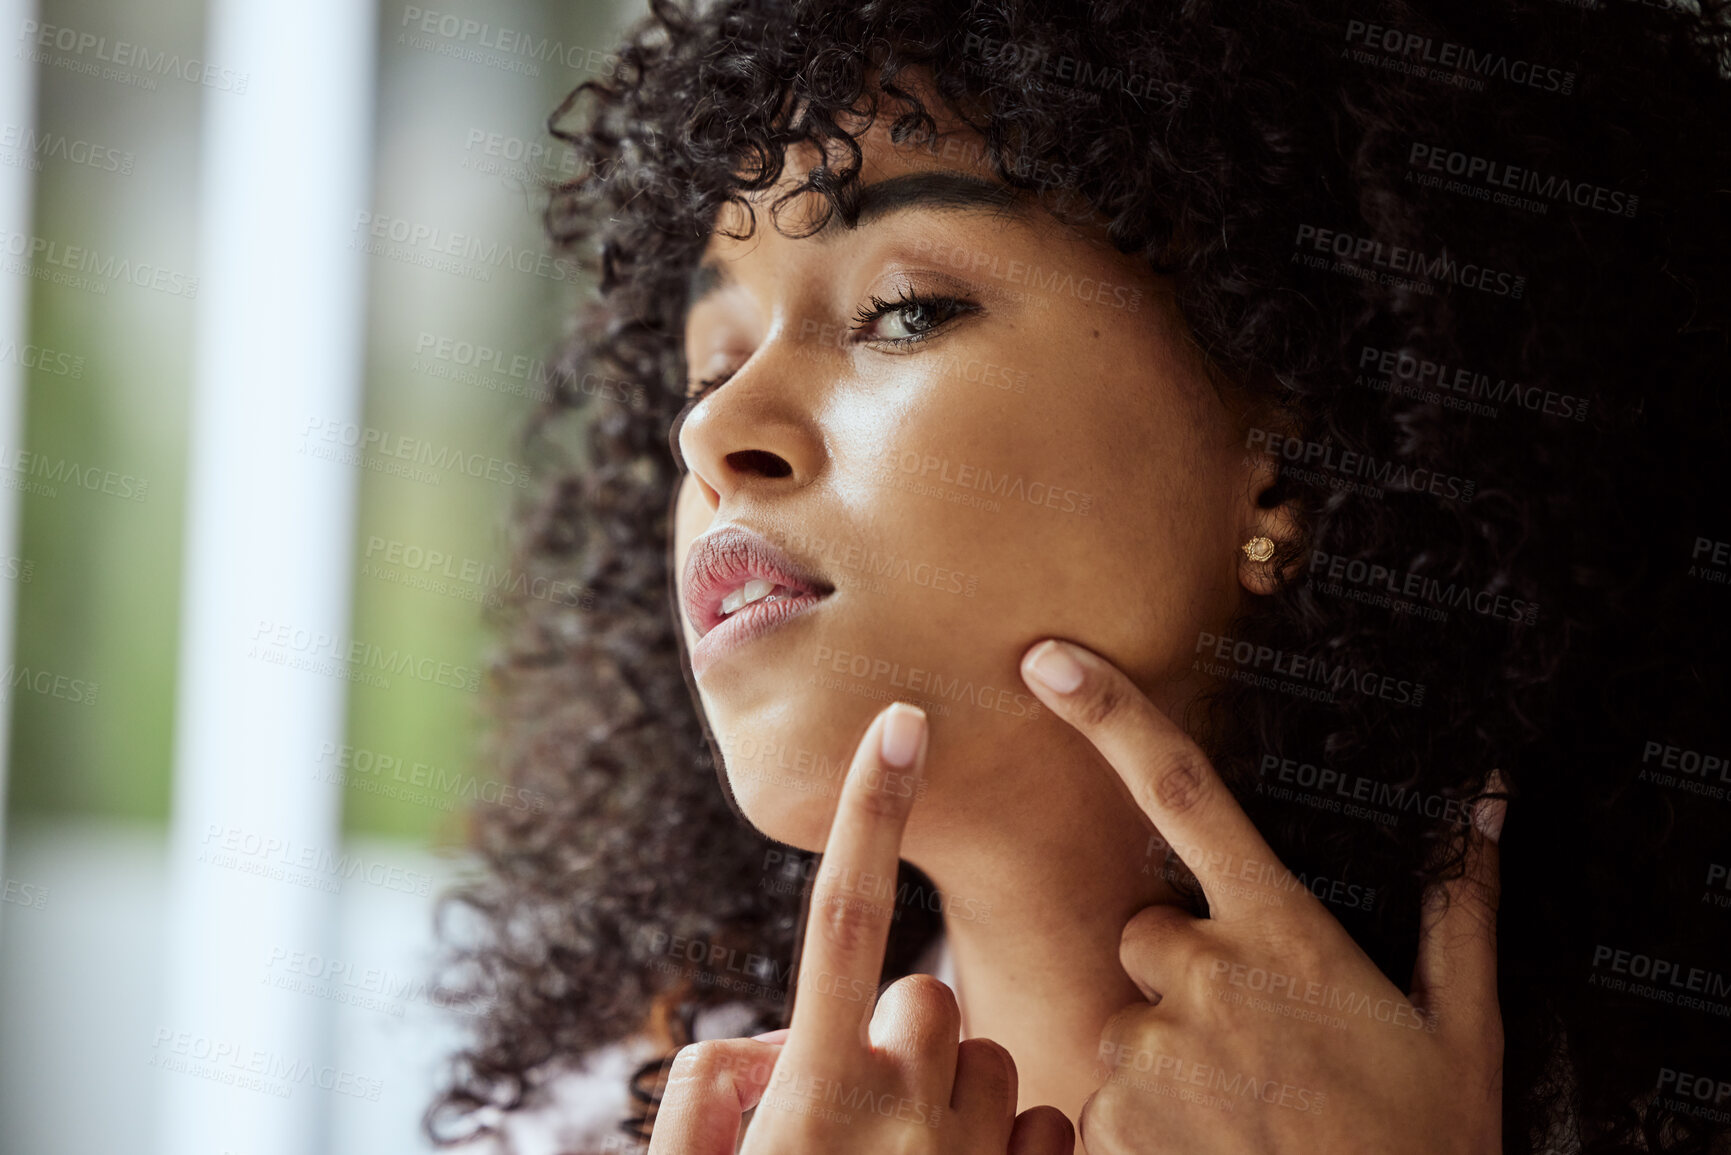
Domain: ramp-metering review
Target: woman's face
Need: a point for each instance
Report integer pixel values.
(968, 428)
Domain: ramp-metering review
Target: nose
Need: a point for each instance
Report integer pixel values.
(756, 434)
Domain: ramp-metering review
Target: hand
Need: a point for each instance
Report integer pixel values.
(1268, 1029)
(845, 1077)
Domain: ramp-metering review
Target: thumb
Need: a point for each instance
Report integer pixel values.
(1455, 975)
(712, 1084)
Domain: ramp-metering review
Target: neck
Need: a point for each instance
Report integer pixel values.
(1035, 904)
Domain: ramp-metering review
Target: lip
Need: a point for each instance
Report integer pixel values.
(720, 562)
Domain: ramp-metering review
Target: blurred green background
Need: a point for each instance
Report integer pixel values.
(102, 599)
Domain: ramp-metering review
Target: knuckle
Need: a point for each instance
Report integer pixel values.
(879, 804)
(1105, 1117)
(1181, 782)
(926, 992)
(846, 923)
(700, 1061)
(1102, 704)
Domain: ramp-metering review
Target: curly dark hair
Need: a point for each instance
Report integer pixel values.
(1557, 350)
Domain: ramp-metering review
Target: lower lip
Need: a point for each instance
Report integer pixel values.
(747, 624)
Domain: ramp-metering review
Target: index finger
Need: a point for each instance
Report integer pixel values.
(1167, 773)
(853, 899)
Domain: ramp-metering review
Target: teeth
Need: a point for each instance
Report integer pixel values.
(755, 590)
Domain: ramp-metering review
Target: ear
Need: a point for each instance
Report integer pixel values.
(1265, 511)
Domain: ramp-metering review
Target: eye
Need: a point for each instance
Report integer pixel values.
(908, 319)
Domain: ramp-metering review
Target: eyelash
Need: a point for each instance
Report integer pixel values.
(950, 307)
(947, 308)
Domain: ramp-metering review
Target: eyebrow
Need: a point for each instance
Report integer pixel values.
(932, 191)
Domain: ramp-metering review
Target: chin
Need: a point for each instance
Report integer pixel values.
(784, 814)
(786, 763)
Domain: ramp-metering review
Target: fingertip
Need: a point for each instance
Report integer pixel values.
(902, 736)
(1042, 1130)
(985, 1087)
(1053, 665)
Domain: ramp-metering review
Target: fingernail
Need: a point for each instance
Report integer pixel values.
(775, 1036)
(1489, 812)
(904, 726)
(1052, 663)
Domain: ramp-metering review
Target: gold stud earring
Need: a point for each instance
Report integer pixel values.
(1258, 548)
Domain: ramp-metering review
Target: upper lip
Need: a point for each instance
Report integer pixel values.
(723, 560)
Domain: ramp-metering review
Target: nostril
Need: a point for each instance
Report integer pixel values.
(759, 461)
